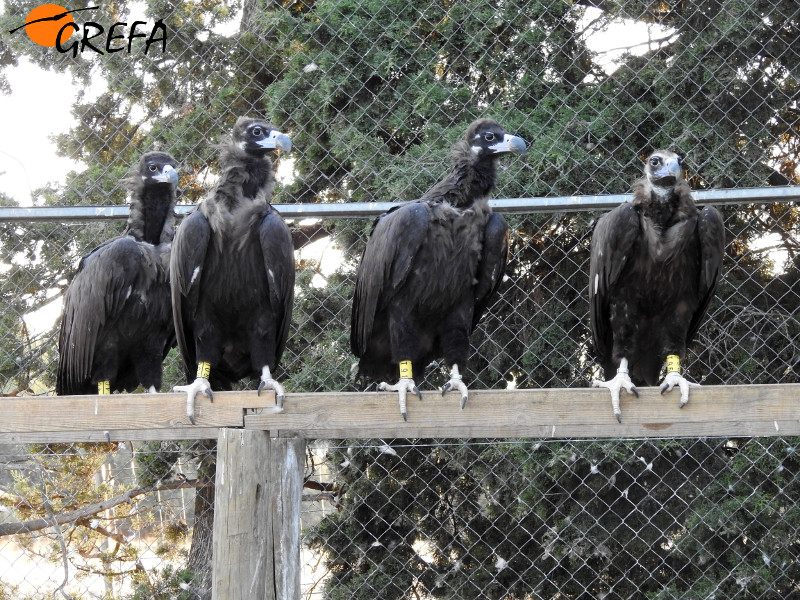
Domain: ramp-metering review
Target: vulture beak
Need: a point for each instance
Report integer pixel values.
(276, 141)
(510, 143)
(668, 174)
(168, 175)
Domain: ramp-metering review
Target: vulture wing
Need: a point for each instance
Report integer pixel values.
(186, 271)
(395, 239)
(278, 250)
(612, 241)
(711, 230)
(492, 266)
(105, 279)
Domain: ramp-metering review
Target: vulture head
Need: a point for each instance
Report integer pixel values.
(152, 182)
(487, 139)
(663, 169)
(257, 137)
(157, 167)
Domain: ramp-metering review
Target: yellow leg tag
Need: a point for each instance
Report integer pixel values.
(673, 363)
(405, 369)
(204, 370)
(104, 388)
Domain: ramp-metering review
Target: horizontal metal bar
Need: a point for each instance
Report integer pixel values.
(373, 209)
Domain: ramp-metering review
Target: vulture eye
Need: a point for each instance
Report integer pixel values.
(489, 136)
(257, 131)
(152, 168)
(655, 161)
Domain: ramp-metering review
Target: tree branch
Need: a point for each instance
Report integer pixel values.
(302, 235)
(93, 509)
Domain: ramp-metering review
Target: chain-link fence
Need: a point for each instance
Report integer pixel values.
(400, 519)
(700, 518)
(373, 93)
(535, 335)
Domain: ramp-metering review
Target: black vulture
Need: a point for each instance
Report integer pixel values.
(654, 266)
(232, 271)
(430, 269)
(116, 326)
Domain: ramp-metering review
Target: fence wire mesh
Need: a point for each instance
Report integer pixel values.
(678, 518)
(373, 93)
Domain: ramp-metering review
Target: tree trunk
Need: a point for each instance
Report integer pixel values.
(200, 552)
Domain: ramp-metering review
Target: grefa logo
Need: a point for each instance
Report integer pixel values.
(51, 25)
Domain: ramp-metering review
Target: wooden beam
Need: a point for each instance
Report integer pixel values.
(742, 410)
(53, 419)
(746, 410)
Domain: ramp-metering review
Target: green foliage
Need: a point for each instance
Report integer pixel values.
(155, 461)
(167, 584)
(652, 519)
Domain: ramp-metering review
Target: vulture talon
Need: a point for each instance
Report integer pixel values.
(402, 387)
(456, 383)
(198, 386)
(676, 379)
(271, 384)
(621, 381)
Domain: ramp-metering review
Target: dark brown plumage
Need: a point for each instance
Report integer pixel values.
(654, 267)
(232, 270)
(430, 268)
(117, 322)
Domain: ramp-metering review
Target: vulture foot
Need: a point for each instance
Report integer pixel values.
(456, 384)
(402, 388)
(271, 384)
(620, 382)
(671, 380)
(200, 385)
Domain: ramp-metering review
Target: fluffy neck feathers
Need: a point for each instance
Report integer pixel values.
(471, 178)
(151, 218)
(244, 176)
(664, 206)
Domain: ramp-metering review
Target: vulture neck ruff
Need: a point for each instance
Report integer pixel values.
(242, 194)
(151, 218)
(664, 206)
(472, 177)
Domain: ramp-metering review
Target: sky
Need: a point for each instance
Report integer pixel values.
(30, 118)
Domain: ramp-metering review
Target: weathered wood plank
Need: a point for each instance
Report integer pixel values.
(115, 435)
(749, 410)
(124, 416)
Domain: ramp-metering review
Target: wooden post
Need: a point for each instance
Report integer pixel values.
(287, 471)
(257, 516)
